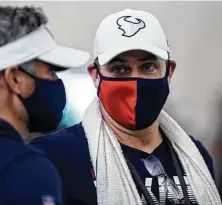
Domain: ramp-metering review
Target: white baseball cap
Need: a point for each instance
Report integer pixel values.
(40, 44)
(129, 30)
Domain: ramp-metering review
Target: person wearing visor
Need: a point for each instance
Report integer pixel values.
(32, 99)
(127, 150)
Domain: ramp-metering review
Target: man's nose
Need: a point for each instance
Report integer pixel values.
(135, 72)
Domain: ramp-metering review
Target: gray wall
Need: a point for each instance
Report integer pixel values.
(195, 35)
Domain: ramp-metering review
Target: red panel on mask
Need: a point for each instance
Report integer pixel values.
(119, 99)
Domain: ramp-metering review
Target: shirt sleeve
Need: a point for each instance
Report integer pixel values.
(32, 179)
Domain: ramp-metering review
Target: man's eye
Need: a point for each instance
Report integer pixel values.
(148, 67)
(120, 69)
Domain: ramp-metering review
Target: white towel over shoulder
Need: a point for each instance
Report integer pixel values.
(115, 185)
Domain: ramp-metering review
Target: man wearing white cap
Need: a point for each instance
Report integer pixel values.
(32, 99)
(134, 152)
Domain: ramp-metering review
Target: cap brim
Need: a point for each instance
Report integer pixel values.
(65, 57)
(107, 56)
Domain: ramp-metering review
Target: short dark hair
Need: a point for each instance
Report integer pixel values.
(96, 63)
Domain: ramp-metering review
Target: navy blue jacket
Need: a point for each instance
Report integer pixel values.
(27, 177)
(68, 150)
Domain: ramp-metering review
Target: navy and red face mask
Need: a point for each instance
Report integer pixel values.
(134, 103)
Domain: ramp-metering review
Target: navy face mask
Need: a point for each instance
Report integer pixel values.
(45, 105)
(134, 103)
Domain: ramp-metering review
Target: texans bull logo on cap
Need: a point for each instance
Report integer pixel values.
(130, 27)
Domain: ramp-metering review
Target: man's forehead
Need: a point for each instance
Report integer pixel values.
(134, 54)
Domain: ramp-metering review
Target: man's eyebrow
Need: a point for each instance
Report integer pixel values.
(150, 57)
(117, 59)
(121, 60)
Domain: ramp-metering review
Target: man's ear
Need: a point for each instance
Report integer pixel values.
(94, 73)
(18, 82)
(172, 68)
(11, 79)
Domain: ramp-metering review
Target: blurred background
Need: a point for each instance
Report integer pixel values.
(194, 31)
